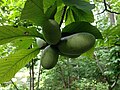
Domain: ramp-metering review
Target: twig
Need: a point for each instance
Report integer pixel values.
(106, 8)
(32, 74)
(63, 14)
(39, 72)
(14, 85)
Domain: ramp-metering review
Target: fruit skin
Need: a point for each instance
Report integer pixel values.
(76, 44)
(49, 57)
(69, 55)
(40, 42)
(51, 32)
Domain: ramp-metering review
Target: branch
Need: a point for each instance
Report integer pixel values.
(39, 75)
(106, 8)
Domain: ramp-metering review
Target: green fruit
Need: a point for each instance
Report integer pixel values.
(51, 32)
(49, 57)
(76, 44)
(69, 55)
(40, 42)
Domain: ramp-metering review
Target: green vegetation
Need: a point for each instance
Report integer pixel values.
(59, 45)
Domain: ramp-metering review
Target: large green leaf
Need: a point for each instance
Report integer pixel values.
(81, 10)
(69, 17)
(33, 10)
(77, 27)
(23, 43)
(10, 65)
(47, 4)
(80, 4)
(9, 33)
(81, 15)
(60, 8)
(51, 11)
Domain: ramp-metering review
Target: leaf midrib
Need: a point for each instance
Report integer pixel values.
(17, 62)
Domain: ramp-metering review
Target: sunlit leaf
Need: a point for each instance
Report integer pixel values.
(10, 65)
(47, 4)
(33, 10)
(69, 17)
(9, 33)
(23, 43)
(60, 7)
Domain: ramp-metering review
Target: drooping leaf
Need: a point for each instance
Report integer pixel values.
(51, 11)
(10, 65)
(81, 10)
(33, 10)
(80, 4)
(9, 33)
(69, 17)
(47, 4)
(60, 7)
(77, 27)
(81, 15)
(23, 43)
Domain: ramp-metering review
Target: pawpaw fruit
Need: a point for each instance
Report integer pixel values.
(51, 32)
(76, 44)
(68, 55)
(49, 57)
(40, 42)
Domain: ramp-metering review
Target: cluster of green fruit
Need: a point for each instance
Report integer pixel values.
(71, 46)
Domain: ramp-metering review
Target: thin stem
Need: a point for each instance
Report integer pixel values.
(14, 85)
(39, 72)
(32, 74)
